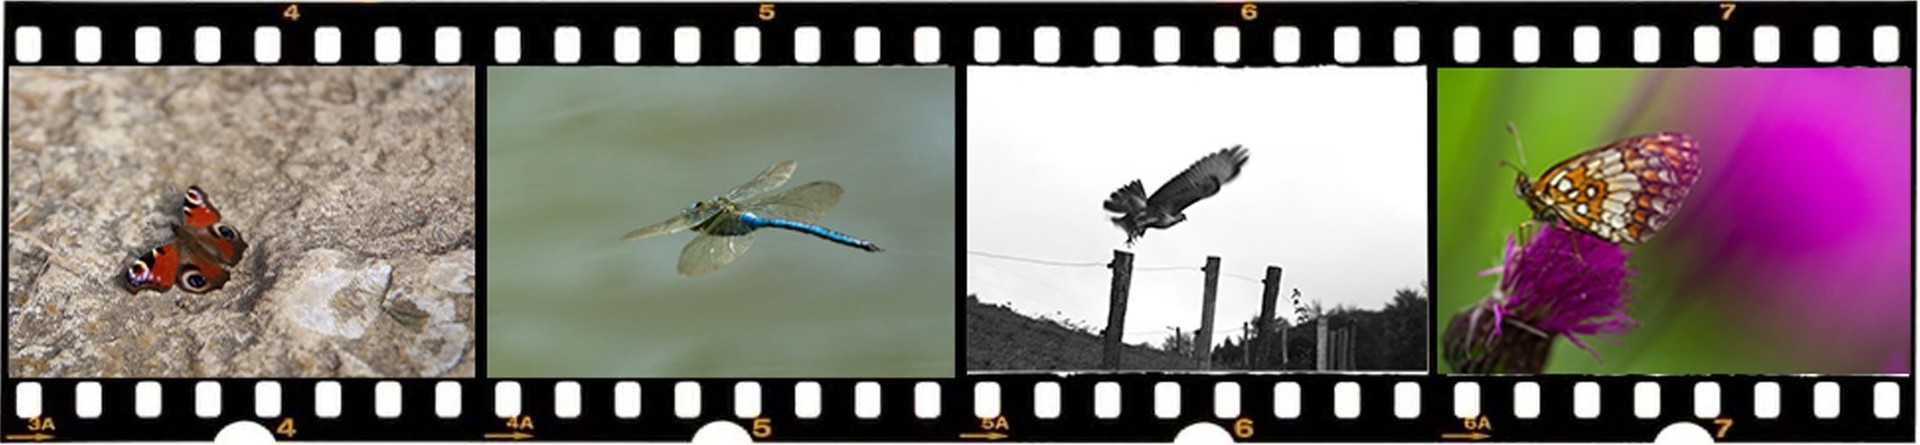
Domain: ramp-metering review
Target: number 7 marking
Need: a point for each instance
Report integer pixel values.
(1726, 11)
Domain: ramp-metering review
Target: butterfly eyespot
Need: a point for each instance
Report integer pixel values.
(195, 197)
(193, 280)
(224, 231)
(137, 269)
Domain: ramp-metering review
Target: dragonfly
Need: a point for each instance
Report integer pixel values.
(726, 222)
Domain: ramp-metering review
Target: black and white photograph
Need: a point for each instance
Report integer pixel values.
(1196, 219)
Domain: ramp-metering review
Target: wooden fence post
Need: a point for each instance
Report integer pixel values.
(1320, 342)
(1203, 342)
(1117, 309)
(1353, 350)
(1269, 294)
(1284, 360)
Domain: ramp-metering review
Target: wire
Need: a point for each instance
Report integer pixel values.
(1244, 277)
(1033, 260)
(1074, 264)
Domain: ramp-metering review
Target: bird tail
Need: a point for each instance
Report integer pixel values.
(1128, 201)
(1129, 198)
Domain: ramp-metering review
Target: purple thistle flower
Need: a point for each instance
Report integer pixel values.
(1559, 282)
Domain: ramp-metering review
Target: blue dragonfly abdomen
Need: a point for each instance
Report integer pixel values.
(755, 221)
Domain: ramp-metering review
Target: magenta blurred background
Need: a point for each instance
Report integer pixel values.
(1801, 226)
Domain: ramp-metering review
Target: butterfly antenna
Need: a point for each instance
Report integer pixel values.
(1514, 131)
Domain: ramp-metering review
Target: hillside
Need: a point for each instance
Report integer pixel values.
(999, 339)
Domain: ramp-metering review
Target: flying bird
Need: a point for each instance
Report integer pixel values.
(1139, 212)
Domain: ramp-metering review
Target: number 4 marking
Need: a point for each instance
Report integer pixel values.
(285, 428)
(292, 13)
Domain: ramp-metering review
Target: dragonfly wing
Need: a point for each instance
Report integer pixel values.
(708, 253)
(681, 222)
(806, 203)
(773, 178)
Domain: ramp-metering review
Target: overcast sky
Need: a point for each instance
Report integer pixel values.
(1335, 190)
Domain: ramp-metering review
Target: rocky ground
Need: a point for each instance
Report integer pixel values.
(353, 186)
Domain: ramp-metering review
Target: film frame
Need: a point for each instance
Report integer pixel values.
(1809, 408)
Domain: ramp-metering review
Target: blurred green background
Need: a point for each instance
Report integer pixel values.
(577, 157)
(1792, 253)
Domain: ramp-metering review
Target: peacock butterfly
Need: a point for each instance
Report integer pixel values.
(197, 257)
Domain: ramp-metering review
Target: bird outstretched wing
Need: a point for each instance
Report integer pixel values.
(1199, 181)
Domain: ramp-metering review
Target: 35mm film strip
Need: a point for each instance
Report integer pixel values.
(1049, 408)
(1676, 34)
(382, 331)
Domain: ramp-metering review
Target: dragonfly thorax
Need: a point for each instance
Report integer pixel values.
(712, 206)
(719, 216)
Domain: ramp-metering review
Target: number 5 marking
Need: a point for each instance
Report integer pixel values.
(766, 12)
(762, 427)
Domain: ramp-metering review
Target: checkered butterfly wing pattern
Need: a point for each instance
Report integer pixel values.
(1622, 192)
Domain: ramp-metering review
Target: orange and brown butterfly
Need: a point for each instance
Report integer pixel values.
(1623, 192)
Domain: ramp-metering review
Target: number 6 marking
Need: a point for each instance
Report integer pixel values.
(1249, 11)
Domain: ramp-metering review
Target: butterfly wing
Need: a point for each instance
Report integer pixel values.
(159, 269)
(202, 268)
(155, 270)
(221, 242)
(1623, 192)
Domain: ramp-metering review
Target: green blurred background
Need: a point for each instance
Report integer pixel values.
(578, 157)
(1791, 254)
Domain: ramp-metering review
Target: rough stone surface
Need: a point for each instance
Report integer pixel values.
(353, 186)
